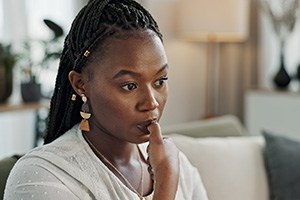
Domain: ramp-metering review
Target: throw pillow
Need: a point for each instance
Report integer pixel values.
(282, 157)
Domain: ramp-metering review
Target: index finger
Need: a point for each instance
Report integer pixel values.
(155, 133)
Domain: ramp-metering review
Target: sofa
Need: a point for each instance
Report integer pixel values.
(235, 165)
(232, 164)
(6, 165)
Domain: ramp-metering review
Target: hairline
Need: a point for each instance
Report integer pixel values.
(122, 35)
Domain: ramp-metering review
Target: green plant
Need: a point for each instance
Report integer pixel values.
(282, 15)
(53, 46)
(8, 58)
(49, 50)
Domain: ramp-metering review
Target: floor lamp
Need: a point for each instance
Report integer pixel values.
(213, 22)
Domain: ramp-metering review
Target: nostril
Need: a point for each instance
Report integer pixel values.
(153, 105)
(148, 100)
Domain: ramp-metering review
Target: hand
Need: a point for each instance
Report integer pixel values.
(163, 156)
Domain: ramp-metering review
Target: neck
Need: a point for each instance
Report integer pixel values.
(114, 149)
(125, 159)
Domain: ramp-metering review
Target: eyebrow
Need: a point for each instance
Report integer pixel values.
(124, 72)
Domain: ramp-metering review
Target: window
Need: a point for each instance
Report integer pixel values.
(1, 20)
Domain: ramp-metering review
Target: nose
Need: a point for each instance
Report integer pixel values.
(148, 100)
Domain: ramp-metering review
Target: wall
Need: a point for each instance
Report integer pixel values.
(187, 62)
(17, 132)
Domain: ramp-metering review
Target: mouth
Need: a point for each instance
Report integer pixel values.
(143, 126)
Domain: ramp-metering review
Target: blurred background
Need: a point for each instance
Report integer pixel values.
(226, 57)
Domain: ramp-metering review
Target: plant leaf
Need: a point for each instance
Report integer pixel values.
(57, 30)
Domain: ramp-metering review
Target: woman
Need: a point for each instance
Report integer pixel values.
(109, 96)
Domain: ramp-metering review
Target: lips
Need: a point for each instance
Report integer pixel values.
(143, 126)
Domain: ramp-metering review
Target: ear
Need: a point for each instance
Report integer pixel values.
(78, 82)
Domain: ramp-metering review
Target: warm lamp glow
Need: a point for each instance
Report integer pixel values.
(214, 20)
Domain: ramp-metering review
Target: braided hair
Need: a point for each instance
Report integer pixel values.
(97, 21)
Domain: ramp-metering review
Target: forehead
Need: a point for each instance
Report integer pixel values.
(134, 49)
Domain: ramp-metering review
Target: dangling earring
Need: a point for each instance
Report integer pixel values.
(85, 114)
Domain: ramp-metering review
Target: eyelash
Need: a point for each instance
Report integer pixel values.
(161, 81)
(127, 85)
(131, 86)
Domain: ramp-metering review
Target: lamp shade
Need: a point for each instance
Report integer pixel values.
(217, 20)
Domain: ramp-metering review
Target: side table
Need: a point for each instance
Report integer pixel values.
(272, 110)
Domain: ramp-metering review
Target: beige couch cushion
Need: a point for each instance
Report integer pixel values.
(232, 168)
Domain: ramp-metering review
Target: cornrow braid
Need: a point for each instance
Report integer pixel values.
(97, 21)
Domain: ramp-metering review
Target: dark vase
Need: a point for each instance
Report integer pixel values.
(6, 83)
(282, 79)
(31, 92)
(298, 73)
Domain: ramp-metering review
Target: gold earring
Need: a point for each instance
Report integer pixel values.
(87, 53)
(73, 98)
(85, 114)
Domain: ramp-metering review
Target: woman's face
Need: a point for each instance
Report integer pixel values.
(127, 87)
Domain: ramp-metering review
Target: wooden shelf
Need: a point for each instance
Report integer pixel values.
(12, 107)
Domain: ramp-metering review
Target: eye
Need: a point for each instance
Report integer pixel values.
(129, 86)
(160, 82)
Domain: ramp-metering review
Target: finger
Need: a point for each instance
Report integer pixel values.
(155, 133)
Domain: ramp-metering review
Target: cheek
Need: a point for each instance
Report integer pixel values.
(109, 105)
(163, 99)
(166, 93)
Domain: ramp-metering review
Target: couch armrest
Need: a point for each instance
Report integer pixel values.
(6, 164)
(227, 125)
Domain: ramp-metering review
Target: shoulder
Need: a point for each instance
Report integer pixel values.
(65, 146)
(67, 153)
(33, 178)
(64, 162)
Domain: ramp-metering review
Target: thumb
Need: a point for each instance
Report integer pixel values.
(155, 133)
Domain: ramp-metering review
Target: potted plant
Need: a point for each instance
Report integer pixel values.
(33, 64)
(8, 60)
(30, 86)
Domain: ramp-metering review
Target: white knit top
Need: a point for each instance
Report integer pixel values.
(67, 169)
